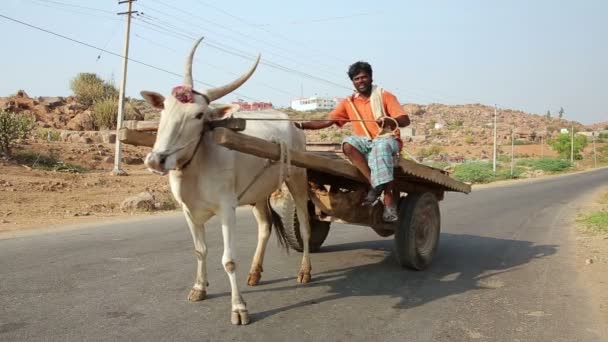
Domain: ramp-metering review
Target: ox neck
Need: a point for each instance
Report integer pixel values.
(198, 146)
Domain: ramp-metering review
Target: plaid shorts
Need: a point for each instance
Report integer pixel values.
(380, 154)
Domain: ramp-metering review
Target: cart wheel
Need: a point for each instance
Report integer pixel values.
(417, 233)
(285, 209)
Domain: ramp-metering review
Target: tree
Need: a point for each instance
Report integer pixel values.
(561, 112)
(561, 145)
(90, 88)
(548, 115)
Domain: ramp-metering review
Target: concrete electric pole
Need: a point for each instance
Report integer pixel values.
(512, 148)
(594, 153)
(494, 154)
(121, 95)
(572, 146)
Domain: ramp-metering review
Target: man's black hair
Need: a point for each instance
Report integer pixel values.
(358, 67)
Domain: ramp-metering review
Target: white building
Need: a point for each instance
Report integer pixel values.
(315, 103)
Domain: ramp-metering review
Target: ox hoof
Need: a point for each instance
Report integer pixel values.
(304, 277)
(196, 295)
(239, 317)
(254, 278)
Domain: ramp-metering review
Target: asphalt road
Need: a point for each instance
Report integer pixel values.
(505, 271)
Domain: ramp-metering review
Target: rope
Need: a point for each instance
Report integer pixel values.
(298, 120)
(284, 162)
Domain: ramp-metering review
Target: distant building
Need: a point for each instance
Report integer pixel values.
(315, 103)
(408, 131)
(252, 106)
(564, 130)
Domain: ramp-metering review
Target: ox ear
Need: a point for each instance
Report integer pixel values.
(218, 112)
(155, 99)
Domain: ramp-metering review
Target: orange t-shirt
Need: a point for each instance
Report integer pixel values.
(344, 112)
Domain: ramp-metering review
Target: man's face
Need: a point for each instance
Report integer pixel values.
(362, 82)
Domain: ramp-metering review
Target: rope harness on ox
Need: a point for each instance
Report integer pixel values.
(284, 167)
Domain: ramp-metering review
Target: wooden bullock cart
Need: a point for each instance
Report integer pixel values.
(337, 190)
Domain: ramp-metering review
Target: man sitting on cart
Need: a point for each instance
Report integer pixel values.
(376, 145)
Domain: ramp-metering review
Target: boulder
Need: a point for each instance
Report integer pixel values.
(143, 201)
(413, 109)
(81, 122)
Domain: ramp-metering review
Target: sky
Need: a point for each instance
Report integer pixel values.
(527, 55)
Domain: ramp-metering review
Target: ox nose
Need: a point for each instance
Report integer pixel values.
(156, 161)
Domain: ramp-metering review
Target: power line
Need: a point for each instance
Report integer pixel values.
(245, 55)
(74, 5)
(214, 66)
(112, 53)
(248, 37)
(260, 27)
(48, 5)
(222, 47)
(231, 50)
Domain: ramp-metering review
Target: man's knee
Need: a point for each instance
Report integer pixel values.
(348, 149)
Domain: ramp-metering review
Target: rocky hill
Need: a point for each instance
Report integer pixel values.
(434, 124)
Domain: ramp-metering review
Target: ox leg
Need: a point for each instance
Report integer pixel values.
(197, 229)
(298, 187)
(261, 211)
(239, 314)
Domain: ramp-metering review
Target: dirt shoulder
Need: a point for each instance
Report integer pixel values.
(34, 198)
(592, 252)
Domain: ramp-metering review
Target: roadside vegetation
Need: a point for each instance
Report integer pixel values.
(101, 97)
(13, 127)
(46, 162)
(596, 221)
(481, 171)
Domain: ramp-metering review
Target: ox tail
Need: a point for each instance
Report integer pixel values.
(277, 222)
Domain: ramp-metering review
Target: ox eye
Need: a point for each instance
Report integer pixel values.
(199, 115)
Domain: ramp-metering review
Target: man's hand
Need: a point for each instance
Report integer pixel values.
(313, 124)
(389, 122)
(386, 122)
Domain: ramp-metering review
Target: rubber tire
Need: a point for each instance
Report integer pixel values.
(286, 210)
(410, 253)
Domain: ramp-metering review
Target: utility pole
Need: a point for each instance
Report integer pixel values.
(542, 146)
(121, 95)
(594, 153)
(572, 146)
(494, 154)
(512, 148)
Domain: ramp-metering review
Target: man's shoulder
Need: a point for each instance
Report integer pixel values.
(386, 93)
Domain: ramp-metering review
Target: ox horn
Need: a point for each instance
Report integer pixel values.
(216, 93)
(188, 74)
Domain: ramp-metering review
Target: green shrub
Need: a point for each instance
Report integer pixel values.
(12, 127)
(105, 112)
(562, 145)
(477, 172)
(521, 142)
(427, 152)
(545, 164)
(469, 140)
(48, 134)
(89, 88)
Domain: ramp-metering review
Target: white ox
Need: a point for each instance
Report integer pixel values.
(208, 179)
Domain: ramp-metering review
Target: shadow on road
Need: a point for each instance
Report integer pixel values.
(463, 263)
